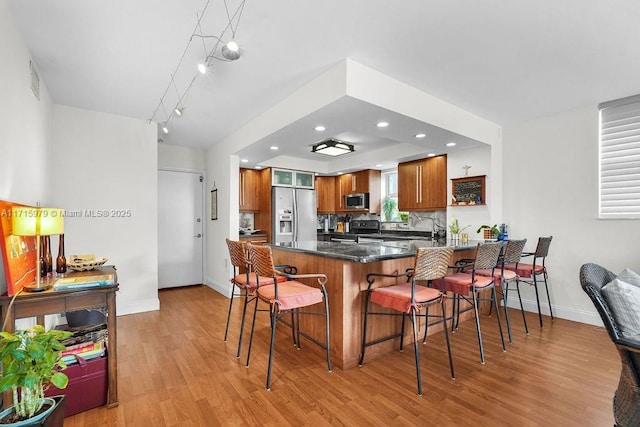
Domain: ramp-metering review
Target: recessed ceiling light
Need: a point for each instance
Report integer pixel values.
(431, 154)
(320, 128)
(244, 161)
(378, 166)
(451, 144)
(382, 124)
(258, 167)
(273, 147)
(420, 135)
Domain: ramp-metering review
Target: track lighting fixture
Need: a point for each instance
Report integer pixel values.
(231, 50)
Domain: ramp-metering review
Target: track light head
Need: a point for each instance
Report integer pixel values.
(231, 50)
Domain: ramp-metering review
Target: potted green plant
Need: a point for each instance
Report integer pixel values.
(455, 229)
(490, 231)
(31, 362)
(389, 206)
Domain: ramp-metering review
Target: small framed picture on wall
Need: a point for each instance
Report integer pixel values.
(214, 204)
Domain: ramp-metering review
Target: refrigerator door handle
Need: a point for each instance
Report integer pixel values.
(295, 216)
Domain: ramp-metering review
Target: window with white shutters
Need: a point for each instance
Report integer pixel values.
(620, 158)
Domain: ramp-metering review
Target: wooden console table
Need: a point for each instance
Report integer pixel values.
(39, 304)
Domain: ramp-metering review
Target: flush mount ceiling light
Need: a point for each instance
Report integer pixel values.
(451, 144)
(320, 128)
(332, 147)
(382, 124)
(231, 51)
(420, 135)
(274, 148)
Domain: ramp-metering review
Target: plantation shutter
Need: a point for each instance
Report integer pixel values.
(620, 158)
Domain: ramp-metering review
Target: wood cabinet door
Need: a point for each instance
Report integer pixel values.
(360, 181)
(326, 194)
(344, 185)
(434, 183)
(408, 185)
(249, 186)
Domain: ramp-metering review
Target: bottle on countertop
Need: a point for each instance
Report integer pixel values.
(48, 260)
(61, 260)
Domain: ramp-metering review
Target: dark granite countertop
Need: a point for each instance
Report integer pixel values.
(367, 252)
(384, 234)
(246, 236)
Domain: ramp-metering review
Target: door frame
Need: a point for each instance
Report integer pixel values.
(204, 211)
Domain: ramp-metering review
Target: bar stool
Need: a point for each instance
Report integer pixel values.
(512, 254)
(409, 298)
(529, 273)
(285, 297)
(246, 283)
(464, 284)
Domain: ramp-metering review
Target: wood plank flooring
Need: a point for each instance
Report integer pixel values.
(174, 369)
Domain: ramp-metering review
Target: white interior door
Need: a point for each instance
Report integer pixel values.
(180, 225)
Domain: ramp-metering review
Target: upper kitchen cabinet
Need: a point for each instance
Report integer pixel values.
(291, 178)
(422, 184)
(326, 193)
(365, 181)
(249, 196)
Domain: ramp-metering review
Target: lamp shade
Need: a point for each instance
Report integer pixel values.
(30, 221)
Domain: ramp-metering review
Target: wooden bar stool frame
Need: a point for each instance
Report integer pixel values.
(431, 264)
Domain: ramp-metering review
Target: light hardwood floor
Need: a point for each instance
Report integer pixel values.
(175, 370)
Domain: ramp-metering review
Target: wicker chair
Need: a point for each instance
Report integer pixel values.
(285, 297)
(626, 401)
(409, 298)
(245, 282)
(512, 254)
(466, 286)
(529, 273)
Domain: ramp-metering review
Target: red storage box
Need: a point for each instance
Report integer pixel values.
(87, 386)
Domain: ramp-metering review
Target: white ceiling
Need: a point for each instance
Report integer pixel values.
(505, 61)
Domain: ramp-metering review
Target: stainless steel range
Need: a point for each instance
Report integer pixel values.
(366, 230)
(364, 226)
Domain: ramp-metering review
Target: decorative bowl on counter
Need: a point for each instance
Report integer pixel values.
(248, 231)
(84, 262)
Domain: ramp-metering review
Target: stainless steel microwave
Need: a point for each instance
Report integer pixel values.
(357, 201)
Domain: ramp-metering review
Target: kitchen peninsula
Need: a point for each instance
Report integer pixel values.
(346, 266)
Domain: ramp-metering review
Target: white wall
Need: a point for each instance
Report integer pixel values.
(551, 188)
(108, 163)
(474, 216)
(26, 121)
(174, 157)
(25, 133)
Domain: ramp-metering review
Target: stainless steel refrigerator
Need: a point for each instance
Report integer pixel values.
(295, 216)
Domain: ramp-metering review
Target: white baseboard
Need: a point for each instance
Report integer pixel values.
(221, 288)
(139, 306)
(568, 313)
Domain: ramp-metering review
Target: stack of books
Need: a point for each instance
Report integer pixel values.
(84, 281)
(86, 350)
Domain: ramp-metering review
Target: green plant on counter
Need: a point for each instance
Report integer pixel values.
(454, 227)
(389, 207)
(404, 216)
(493, 228)
(29, 360)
